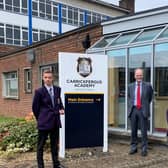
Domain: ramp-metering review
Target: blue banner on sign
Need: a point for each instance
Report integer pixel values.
(84, 120)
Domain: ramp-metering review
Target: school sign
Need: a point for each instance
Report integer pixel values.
(83, 79)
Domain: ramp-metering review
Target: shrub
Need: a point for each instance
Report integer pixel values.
(18, 136)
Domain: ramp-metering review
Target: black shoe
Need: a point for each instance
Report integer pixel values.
(144, 153)
(133, 151)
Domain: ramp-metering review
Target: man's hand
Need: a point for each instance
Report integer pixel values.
(61, 112)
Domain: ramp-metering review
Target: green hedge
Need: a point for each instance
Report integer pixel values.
(18, 136)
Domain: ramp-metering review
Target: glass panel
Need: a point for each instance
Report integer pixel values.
(55, 11)
(1, 4)
(24, 6)
(35, 35)
(11, 83)
(42, 9)
(1, 31)
(81, 17)
(64, 13)
(116, 87)
(147, 35)
(139, 57)
(160, 87)
(104, 42)
(164, 34)
(16, 5)
(8, 4)
(42, 35)
(48, 9)
(35, 8)
(9, 31)
(124, 38)
(88, 17)
(16, 32)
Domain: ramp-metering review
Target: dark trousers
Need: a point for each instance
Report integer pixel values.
(54, 140)
(137, 119)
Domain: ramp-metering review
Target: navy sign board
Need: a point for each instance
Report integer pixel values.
(83, 79)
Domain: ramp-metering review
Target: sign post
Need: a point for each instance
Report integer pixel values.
(83, 79)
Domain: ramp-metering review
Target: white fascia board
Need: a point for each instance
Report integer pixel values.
(135, 21)
(37, 23)
(13, 18)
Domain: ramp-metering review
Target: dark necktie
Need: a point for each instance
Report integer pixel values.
(52, 96)
(138, 104)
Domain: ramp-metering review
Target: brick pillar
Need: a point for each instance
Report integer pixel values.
(128, 4)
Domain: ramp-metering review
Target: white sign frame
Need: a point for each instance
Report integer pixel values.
(70, 77)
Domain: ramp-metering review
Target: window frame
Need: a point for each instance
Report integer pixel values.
(6, 82)
(27, 81)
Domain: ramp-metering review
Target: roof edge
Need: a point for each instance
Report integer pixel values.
(57, 37)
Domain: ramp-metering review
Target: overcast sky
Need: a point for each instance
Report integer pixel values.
(141, 5)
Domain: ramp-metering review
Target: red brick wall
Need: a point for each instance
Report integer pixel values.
(7, 48)
(46, 53)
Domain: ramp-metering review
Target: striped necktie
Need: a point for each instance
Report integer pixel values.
(52, 96)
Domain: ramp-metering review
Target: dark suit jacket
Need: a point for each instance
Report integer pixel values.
(146, 98)
(47, 116)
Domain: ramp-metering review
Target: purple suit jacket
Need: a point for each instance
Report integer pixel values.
(47, 116)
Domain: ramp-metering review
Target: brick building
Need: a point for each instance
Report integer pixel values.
(21, 70)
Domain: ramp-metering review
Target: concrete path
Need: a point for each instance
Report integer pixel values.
(116, 157)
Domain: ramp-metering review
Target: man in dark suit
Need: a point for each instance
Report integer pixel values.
(47, 107)
(140, 95)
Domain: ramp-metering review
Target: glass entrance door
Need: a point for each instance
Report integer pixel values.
(139, 57)
(161, 88)
(116, 88)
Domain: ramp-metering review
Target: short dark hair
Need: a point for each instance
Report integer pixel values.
(47, 71)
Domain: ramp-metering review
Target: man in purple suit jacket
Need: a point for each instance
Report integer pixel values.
(47, 107)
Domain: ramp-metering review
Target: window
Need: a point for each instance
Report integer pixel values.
(48, 35)
(12, 5)
(42, 8)
(88, 17)
(8, 5)
(162, 83)
(28, 80)
(148, 34)
(24, 6)
(9, 34)
(35, 8)
(16, 5)
(64, 14)
(1, 33)
(70, 15)
(17, 35)
(24, 36)
(10, 85)
(76, 16)
(96, 17)
(124, 38)
(35, 35)
(55, 11)
(1, 4)
(48, 9)
(104, 42)
(81, 17)
(42, 35)
(164, 34)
